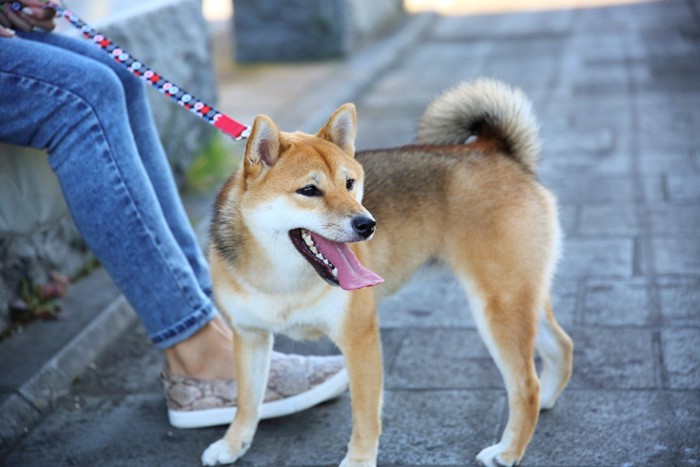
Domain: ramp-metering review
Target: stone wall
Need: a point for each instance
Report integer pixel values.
(296, 30)
(37, 235)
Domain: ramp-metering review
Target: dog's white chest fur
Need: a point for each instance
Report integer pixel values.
(298, 315)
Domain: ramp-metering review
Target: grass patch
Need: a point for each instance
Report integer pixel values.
(213, 164)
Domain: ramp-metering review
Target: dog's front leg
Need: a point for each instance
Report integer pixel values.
(362, 350)
(252, 355)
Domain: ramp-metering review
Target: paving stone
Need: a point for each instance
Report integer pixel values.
(455, 359)
(443, 427)
(137, 421)
(617, 303)
(680, 301)
(432, 298)
(683, 188)
(675, 161)
(675, 220)
(639, 428)
(584, 257)
(671, 256)
(679, 123)
(613, 359)
(681, 357)
(596, 158)
(591, 190)
(609, 220)
(311, 438)
(145, 438)
(652, 189)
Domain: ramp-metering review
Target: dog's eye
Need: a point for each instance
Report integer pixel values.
(310, 190)
(350, 184)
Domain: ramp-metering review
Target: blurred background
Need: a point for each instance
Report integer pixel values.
(616, 87)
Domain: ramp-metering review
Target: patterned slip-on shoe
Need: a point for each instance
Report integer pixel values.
(295, 383)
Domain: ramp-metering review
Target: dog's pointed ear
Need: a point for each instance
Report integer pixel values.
(263, 147)
(340, 129)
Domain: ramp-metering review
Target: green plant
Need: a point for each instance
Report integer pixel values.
(213, 165)
(39, 301)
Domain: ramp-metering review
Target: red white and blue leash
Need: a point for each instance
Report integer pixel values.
(198, 107)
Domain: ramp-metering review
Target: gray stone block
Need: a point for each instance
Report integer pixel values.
(296, 30)
(681, 357)
(613, 359)
(455, 358)
(674, 220)
(680, 301)
(591, 189)
(675, 161)
(88, 446)
(639, 428)
(617, 303)
(559, 156)
(445, 427)
(625, 220)
(432, 298)
(274, 30)
(683, 188)
(585, 257)
(671, 256)
(608, 220)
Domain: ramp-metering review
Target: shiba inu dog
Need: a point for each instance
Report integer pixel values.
(306, 227)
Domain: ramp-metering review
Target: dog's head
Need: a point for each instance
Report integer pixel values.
(309, 187)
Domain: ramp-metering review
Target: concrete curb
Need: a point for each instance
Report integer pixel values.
(36, 396)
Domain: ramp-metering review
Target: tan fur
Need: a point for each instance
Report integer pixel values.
(475, 207)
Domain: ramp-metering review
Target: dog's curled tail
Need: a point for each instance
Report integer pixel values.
(484, 108)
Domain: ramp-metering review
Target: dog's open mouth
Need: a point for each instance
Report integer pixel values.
(334, 262)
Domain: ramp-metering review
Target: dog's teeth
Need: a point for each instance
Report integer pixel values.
(320, 256)
(335, 272)
(326, 262)
(307, 238)
(313, 249)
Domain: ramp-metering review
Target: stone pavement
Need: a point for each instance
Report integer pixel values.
(617, 91)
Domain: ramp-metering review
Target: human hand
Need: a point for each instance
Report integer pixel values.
(30, 15)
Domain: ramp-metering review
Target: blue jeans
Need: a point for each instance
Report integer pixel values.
(68, 97)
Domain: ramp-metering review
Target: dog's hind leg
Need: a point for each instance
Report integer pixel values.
(556, 349)
(253, 350)
(507, 322)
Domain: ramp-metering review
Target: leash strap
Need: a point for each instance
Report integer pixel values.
(198, 107)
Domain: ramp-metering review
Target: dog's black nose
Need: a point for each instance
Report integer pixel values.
(364, 226)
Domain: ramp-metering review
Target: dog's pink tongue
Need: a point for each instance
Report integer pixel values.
(352, 275)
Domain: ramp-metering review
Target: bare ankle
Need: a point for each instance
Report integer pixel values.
(207, 354)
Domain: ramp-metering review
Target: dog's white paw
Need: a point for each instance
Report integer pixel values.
(493, 456)
(221, 452)
(347, 462)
